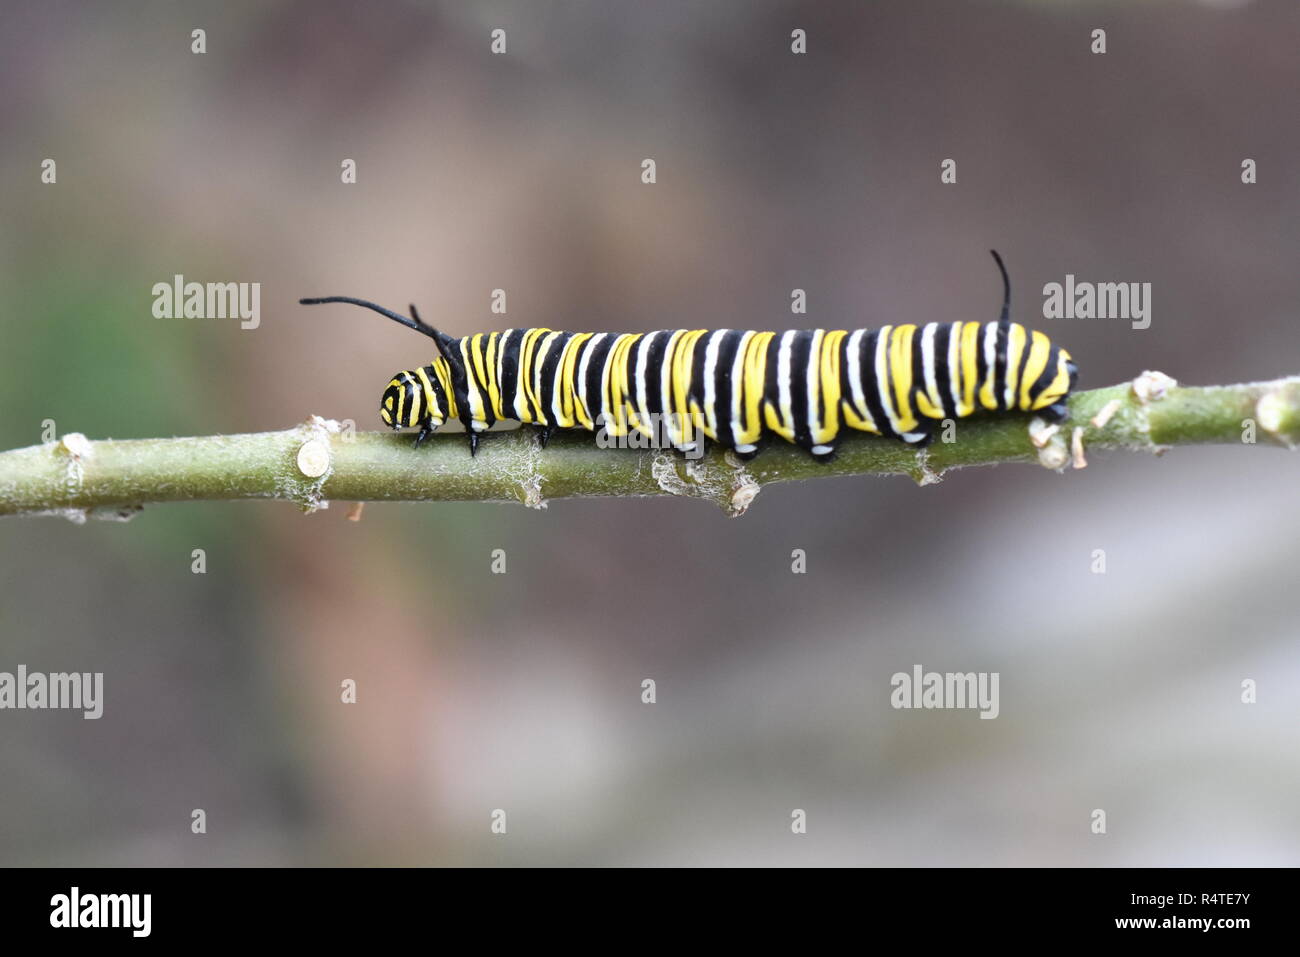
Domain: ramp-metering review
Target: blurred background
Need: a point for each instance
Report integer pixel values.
(523, 691)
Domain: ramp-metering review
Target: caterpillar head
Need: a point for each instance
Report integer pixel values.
(414, 398)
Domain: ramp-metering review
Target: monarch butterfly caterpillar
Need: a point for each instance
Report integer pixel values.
(729, 386)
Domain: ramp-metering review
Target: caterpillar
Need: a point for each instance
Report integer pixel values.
(729, 386)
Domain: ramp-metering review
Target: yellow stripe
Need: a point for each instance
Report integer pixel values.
(969, 351)
(401, 400)
(1059, 385)
(755, 372)
(1040, 349)
(435, 412)
(471, 387)
(779, 415)
(568, 368)
(681, 428)
(988, 387)
(831, 388)
(527, 361)
(900, 366)
(927, 408)
(1015, 349)
(616, 375)
(476, 350)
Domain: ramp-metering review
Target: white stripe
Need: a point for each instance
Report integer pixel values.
(738, 386)
(543, 348)
(556, 405)
(666, 425)
(642, 355)
(855, 375)
(783, 376)
(814, 379)
(1008, 392)
(883, 386)
(954, 365)
(710, 383)
(607, 374)
(471, 387)
(583, 366)
(521, 406)
(927, 359)
(991, 352)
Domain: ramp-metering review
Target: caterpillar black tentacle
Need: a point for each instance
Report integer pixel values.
(732, 387)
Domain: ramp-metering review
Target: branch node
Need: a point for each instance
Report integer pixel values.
(923, 475)
(1151, 386)
(1054, 455)
(314, 464)
(76, 446)
(743, 495)
(314, 458)
(1041, 431)
(1275, 414)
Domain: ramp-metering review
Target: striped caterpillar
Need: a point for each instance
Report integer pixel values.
(729, 386)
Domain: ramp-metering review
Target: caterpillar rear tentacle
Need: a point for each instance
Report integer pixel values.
(736, 388)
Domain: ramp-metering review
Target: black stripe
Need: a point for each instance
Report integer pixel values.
(918, 371)
(723, 387)
(771, 383)
(509, 363)
(577, 384)
(800, 353)
(981, 367)
(417, 408)
(489, 416)
(942, 374)
(1001, 344)
(533, 391)
(1020, 371)
(456, 368)
(546, 395)
(1046, 376)
(695, 388)
(654, 365)
(595, 374)
(439, 394)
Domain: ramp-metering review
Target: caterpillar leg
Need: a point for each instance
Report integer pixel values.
(920, 439)
(427, 428)
(823, 453)
(696, 449)
(544, 433)
(747, 453)
(473, 443)
(1057, 412)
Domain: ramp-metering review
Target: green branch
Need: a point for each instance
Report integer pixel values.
(318, 461)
